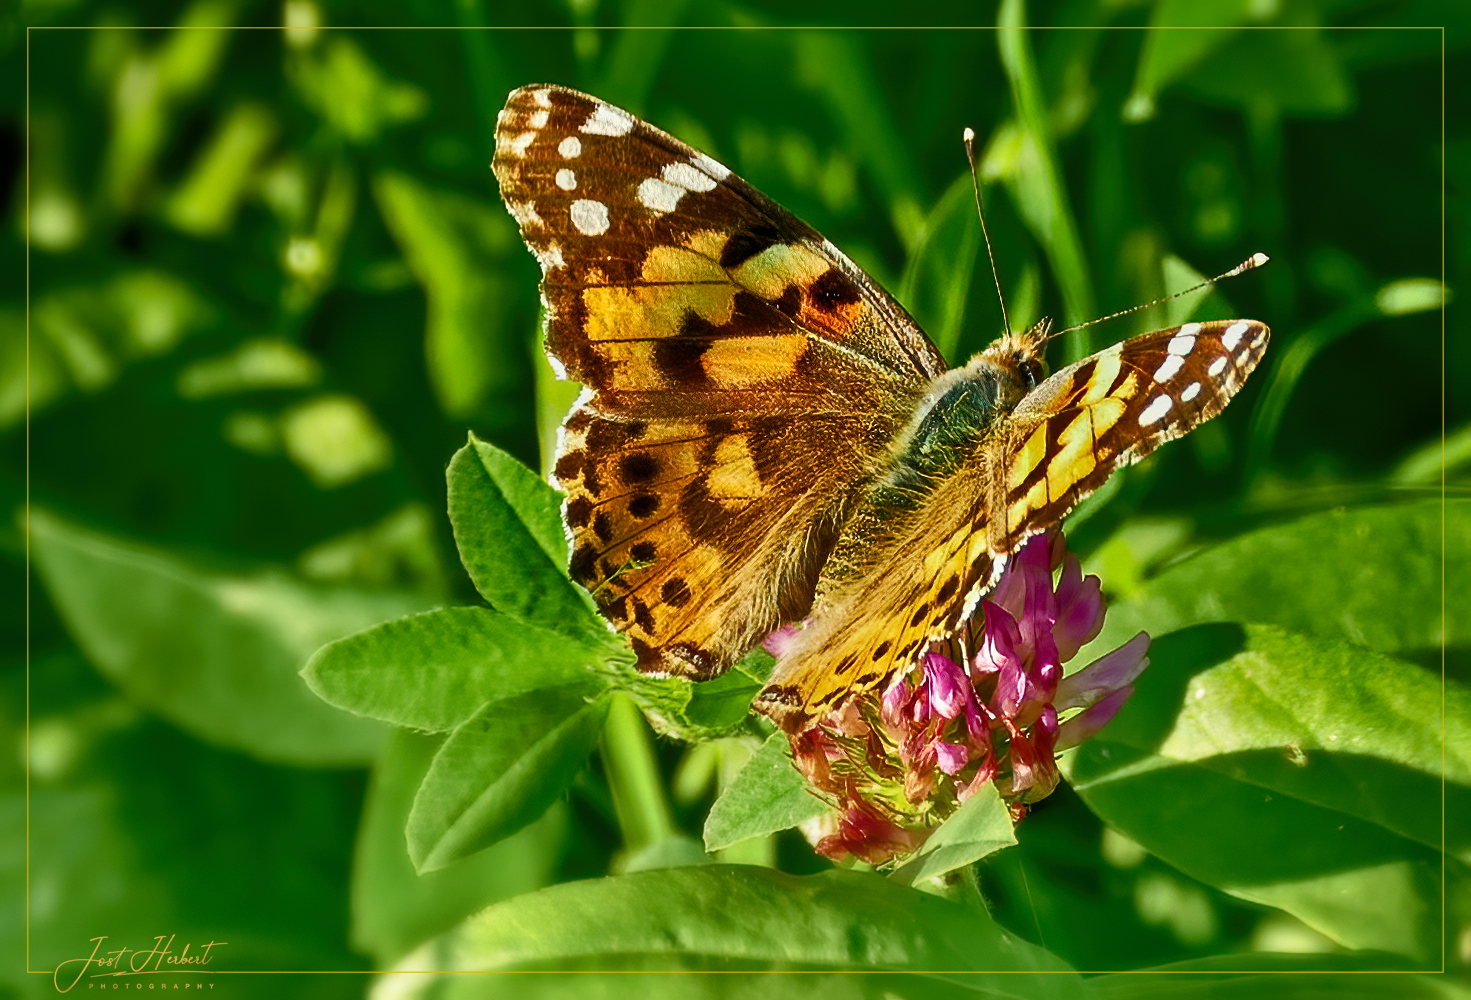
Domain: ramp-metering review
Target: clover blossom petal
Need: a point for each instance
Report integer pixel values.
(982, 706)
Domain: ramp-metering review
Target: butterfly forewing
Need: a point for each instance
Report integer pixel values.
(1110, 410)
(1059, 445)
(743, 375)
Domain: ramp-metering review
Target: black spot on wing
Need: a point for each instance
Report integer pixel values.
(832, 290)
(643, 505)
(748, 243)
(638, 467)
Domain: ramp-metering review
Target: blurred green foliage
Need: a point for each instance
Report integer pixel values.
(258, 284)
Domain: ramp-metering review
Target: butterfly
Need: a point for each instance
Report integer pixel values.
(766, 437)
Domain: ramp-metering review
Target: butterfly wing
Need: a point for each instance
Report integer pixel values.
(743, 376)
(1059, 445)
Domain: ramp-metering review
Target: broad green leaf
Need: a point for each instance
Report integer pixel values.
(432, 671)
(678, 851)
(1293, 771)
(499, 771)
(756, 918)
(393, 908)
(215, 653)
(722, 703)
(980, 827)
(1368, 575)
(152, 829)
(1288, 977)
(642, 977)
(507, 524)
(769, 794)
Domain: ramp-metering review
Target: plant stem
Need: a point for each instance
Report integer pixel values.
(633, 777)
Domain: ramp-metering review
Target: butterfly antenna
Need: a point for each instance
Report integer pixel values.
(1256, 260)
(970, 154)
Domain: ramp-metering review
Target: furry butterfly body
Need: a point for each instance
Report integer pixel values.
(767, 437)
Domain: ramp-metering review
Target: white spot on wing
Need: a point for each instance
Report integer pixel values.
(589, 217)
(539, 118)
(549, 257)
(566, 179)
(542, 98)
(524, 212)
(1155, 410)
(714, 168)
(1181, 343)
(1191, 391)
(1190, 329)
(518, 145)
(570, 147)
(607, 121)
(1217, 366)
(687, 176)
(659, 195)
(1233, 334)
(1167, 369)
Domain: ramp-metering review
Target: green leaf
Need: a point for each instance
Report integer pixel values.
(393, 908)
(215, 653)
(499, 771)
(1369, 575)
(1294, 72)
(723, 703)
(980, 827)
(1292, 771)
(432, 671)
(1164, 55)
(769, 794)
(755, 917)
(1279, 976)
(508, 526)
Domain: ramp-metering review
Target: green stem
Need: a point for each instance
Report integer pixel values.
(633, 777)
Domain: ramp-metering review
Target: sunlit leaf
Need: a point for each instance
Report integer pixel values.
(757, 918)
(769, 794)
(394, 908)
(500, 770)
(432, 671)
(1293, 771)
(215, 653)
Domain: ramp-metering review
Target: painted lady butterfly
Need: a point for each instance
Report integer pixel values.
(767, 437)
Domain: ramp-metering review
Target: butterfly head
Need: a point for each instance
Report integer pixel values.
(1023, 355)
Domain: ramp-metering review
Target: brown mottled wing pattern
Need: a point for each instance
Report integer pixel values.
(743, 377)
(1059, 445)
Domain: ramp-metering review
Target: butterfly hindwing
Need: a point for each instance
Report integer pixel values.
(744, 376)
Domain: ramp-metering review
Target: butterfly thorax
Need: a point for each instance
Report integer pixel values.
(947, 435)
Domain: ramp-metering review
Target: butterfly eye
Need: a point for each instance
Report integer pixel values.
(1033, 373)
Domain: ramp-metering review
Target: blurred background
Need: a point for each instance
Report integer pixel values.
(269, 286)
